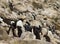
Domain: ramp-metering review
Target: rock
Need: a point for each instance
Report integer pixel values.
(4, 3)
(27, 36)
(44, 31)
(51, 13)
(3, 43)
(50, 35)
(53, 40)
(36, 23)
(20, 8)
(39, 17)
(3, 34)
(15, 41)
(22, 17)
(58, 32)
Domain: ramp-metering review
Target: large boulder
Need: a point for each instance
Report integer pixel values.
(3, 34)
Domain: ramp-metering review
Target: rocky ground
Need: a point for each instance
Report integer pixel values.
(43, 13)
